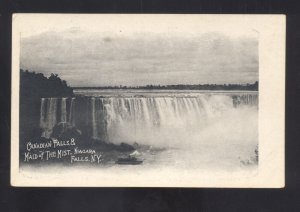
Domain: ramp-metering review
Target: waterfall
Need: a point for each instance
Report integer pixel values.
(94, 119)
(50, 119)
(72, 112)
(43, 114)
(127, 119)
(134, 116)
(63, 117)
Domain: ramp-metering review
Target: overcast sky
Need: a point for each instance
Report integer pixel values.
(85, 57)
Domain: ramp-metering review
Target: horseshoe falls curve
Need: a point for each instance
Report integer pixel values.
(159, 120)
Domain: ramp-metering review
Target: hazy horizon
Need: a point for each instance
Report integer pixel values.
(138, 57)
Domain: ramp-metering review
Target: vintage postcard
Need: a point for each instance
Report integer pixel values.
(115, 100)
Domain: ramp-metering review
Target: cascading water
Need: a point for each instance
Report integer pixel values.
(154, 120)
(71, 116)
(63, 110)
(48, 115)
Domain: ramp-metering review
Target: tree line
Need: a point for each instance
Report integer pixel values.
(248, 86)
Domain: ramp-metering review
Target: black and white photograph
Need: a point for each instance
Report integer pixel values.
(148, 100)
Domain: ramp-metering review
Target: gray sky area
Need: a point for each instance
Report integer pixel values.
(102, 59)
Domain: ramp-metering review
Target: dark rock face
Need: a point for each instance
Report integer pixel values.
(125, 147)
(33, 87)
(64, 130)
